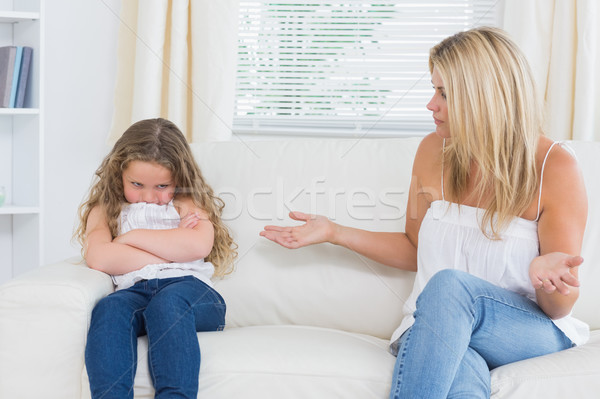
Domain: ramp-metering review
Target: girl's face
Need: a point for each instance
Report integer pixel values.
(438, 106)
(148, 182)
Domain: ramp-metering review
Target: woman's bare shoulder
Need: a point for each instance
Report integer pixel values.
(432, 140)
(556, 160)
(562, 180)
(429, 154)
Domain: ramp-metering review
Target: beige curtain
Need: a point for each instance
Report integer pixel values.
(561, 39)
(177, 60)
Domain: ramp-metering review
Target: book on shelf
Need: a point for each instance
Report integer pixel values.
(23, 77)
(15, 78)
(15, 62)
(7, 66)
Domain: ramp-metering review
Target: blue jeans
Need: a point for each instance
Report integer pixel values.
(464, 327)
(170, 311)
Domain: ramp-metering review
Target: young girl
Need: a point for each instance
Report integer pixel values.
(154, 225)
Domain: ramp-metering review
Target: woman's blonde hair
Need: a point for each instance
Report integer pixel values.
(495, 122)
(161, 142)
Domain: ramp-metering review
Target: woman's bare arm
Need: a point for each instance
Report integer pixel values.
(561, 226)
(394, 249)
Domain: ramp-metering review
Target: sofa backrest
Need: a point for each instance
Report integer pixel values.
(360, 183)
(356, 182)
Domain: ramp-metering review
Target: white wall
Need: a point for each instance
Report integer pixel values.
(81, 47)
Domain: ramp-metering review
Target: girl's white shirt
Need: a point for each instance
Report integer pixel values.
(142, 215)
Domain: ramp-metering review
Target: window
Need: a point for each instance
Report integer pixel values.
(343, 67)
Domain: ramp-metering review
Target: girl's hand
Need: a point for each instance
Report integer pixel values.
(189, 221)
(551, 272)
(315, 230)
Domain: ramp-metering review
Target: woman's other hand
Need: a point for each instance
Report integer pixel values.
(552, 272)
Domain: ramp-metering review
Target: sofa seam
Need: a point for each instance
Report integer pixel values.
(508, 381)
(273, 373)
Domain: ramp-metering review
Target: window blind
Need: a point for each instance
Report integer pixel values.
(343, 67)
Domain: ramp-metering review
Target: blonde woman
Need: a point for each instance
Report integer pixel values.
(494, 228)
(154, 225)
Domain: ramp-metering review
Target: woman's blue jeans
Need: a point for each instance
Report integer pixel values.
(170, 311)
(464, 327)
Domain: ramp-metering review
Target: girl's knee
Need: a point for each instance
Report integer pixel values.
(113, 310)
(168, 304)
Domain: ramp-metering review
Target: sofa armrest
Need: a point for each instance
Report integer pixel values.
(44, 318)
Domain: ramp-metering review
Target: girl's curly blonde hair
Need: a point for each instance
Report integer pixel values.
(161, 142)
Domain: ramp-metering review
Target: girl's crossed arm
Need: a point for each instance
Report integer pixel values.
(192, 240)
(108, 256)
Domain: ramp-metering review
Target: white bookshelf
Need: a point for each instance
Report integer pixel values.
(21, 146)
(8, 17)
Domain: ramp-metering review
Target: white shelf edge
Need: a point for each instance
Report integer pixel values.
(19, 111)
(18, 210)
(17, 16)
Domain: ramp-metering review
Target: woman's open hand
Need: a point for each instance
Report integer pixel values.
(551, 272)
(315, 230)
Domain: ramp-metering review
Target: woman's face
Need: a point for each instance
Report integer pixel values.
(438, 106)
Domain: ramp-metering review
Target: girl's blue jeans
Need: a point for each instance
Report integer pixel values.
(170, 311)
(464, 327)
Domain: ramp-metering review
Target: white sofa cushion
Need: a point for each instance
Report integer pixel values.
(285, 362)
(574, 373)
(309, 362)
(44, 318)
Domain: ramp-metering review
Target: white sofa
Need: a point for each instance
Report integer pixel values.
(307, 323)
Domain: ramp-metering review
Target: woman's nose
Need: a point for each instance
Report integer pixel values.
(431, 105)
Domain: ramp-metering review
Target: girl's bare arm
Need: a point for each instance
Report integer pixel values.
(103, 254)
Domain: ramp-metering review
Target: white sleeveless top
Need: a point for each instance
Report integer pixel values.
(142, 215)
(450, 237)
